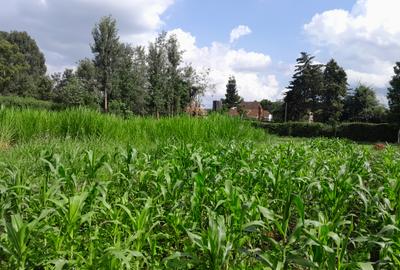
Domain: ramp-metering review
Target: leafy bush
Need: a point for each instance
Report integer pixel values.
(299, 129)
(366, 132)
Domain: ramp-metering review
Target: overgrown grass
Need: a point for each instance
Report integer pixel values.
(27, 125)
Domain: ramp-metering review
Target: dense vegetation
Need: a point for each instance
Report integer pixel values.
(82, 190)
(360, 132)
(323, 91)
(85, 190)
(120, 78)
(29, 125)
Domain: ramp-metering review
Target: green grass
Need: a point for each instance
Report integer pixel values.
(18, 126)
(80, 190)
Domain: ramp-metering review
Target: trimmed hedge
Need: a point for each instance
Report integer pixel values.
(299, 129)
(368, 132)
(363, 132)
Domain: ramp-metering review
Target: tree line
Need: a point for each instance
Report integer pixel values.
(119, 77)
(323, 90)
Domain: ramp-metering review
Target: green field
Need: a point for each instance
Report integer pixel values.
(81, 190)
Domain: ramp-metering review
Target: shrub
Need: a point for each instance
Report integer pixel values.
(368, 132)
(299, 129)
(365, 132)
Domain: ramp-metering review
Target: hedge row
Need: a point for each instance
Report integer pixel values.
(363, 132)
(28, 102)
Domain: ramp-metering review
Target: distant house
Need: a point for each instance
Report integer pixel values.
(194, 109)
(251, 110)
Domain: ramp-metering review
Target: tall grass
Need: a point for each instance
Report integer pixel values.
(27, 125)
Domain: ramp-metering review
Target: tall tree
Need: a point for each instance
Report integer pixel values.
(87, 73)
(174, 89)
(28, 47)
(393, 95)
(232, 98)
(276, 108)
(139, 95)
(12, 65)
(73, 88)
(305, 88)
(157, 62)
(32, 80)
(334, 92)
(363, 106)
(106, 48)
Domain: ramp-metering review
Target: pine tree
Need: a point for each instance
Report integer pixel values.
(393, 95)
(305, 88)
(334, 92)
(232, 98)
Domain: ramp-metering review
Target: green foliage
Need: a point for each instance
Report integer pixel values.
(130, 79)
(276, 108)
(232, 98)
(74, 94)
(12, 65)
(28, 47)
(23, 66)
(363, 106)
(299, 129)
(363, 132)
(106, 48)
(27, 103)
(72, 89)
(266, 104)
(393, 95)
(368, 132)
(334, 92)
(305, 88)
(25, 125)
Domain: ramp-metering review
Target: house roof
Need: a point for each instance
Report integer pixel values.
(250, 105)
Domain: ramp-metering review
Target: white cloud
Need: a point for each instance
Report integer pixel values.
(249, 68)
(239, 31)
(63, 32)
(64, 27)
(366, 40)
(374, 80)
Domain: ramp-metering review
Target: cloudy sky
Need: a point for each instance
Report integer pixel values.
(255, 40)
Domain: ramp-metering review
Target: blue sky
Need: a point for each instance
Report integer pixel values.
(277, 26)
(257, 41)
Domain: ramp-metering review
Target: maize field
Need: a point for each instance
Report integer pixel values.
(195, 200)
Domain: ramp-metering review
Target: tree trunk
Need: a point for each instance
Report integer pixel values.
(106, 87)
(398, 137)
(105, 101)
